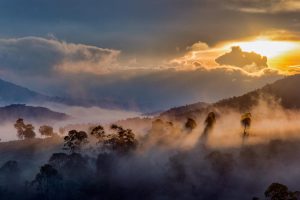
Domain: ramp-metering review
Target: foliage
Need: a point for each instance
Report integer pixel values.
(277, 191)
(24, 131)
(46, 130)
(246, 123)
(99, 133)
(75, 140)
(47, 179)
(209, 123)
(190, 124)
(123, 141)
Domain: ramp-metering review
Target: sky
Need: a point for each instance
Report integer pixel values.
(149, 55)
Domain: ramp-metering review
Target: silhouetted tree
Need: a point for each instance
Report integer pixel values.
(246, 123)
(24, 131)
(75, 140)
(73, 166)
(46, 130)
(190, 124)
(123, 141)
(47, 181)
(99, 133)
(58, 160)
(209, 123)
(10, 174)
(277, 191)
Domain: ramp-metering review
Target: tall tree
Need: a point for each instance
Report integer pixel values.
(190, 124)
(123, 141)
(24, 131)
(75, 140)
(246, 123)
(209, 123)
(47, 181)
(99, 133)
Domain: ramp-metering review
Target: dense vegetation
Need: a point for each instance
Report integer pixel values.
(113, 163)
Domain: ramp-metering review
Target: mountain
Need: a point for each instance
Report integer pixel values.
(29, 113)
(11, 93)
(285, 91)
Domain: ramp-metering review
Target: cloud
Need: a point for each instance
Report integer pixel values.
(249, 61)
(80, 72)
(35, 55)
(163, 86)
(264, 6)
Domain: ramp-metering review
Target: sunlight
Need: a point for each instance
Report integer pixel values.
(266, 47)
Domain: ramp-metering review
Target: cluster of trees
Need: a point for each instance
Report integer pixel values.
(120, 141)
(210, 121)
(278, 191)
(78, 174)
(27, 131)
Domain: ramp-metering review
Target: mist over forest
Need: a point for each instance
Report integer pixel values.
(213, 153)
(149, 100)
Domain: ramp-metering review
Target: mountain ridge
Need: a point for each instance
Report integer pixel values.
(283, 91)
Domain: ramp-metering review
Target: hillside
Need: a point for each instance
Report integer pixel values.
(285, 91)
(11, 93)
(37, 114)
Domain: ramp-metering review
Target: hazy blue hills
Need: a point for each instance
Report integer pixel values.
(30, 113)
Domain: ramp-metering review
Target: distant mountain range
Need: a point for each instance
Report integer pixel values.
(285, 91)
(30, 113)
(11, 93)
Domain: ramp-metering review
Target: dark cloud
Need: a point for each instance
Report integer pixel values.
(40, 56)
(249, 61)
(264, 6)
(74, 70)
(134, 28)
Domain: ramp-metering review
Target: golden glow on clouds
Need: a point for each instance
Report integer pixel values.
(282, 54)
(282, 49)
(267, 48)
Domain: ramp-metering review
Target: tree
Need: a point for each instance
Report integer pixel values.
(46, 130)
(47, 181)
(246, 123)
(209, 123)
(75, 140)
(190, 124)
(277, 191)
(123, 141)
(10, 174)
(99, 133)
(24, 131)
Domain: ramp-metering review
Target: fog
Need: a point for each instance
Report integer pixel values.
(164, 158)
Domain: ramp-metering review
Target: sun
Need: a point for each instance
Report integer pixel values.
(266, 47)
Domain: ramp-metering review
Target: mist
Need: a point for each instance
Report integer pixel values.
(164, 159)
